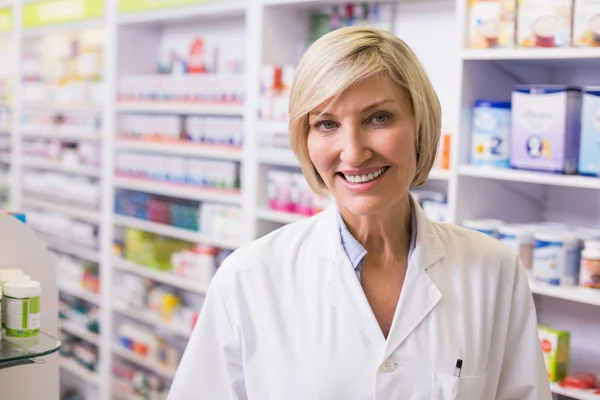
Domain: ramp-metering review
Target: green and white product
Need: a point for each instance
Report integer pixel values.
(7, 274)
(22, 301)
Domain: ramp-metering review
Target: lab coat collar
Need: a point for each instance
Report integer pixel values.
(419, 294)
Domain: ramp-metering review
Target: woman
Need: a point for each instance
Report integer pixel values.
(369, 299)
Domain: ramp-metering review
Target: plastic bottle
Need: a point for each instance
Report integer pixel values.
(556, 258)
(589, 275)
(22, 300)
(6, 274)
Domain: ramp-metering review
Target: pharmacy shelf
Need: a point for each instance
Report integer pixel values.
(62, 108)
(173, 232)
(167, 278)
(72, 366)
(577, 394)
(541, 178)
(182, 149)
(54, 165)
(150, 318)
(158, 107)
(69, 210)
(144, 362)
(71, 249)
(179, 191)
(210, 10)
(80, 293)
(542, 54)
(572, 293)
(82, 333)
(62, 137)
(279, 217)
(278, 157)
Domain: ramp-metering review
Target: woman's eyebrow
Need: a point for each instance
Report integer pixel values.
(320, 113)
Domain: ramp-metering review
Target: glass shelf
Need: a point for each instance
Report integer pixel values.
(14, 351)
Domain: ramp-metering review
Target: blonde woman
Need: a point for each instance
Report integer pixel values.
(369, 299)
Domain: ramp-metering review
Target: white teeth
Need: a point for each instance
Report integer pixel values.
(364, 178)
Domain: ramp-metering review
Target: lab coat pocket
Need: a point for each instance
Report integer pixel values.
(449, 387)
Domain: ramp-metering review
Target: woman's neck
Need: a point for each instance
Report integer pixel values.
(388, 232)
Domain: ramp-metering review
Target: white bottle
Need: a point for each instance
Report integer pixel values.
(22, 299)
(6, 274)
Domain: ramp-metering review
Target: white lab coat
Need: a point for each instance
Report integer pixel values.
(286, 318)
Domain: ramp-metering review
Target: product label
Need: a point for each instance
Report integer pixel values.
(492, 23)
(548, 260)
(6, 18)
(544, 23)
(491, 132)
(590, 273)
(60, 11)
(127, 6)
(586, 23)
(22, 316)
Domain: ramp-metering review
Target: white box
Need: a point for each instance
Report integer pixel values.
(544, 23)
(586, 23)
(492, 24)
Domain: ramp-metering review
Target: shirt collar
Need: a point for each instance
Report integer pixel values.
(356, 252)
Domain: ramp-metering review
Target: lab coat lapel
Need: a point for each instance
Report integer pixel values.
(419, 294)
(343, 287)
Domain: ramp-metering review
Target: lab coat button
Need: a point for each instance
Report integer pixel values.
(388, 365)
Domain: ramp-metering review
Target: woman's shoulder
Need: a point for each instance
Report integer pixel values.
(271, 248)
(474, 245)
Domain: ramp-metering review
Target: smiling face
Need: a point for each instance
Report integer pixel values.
(363, 145)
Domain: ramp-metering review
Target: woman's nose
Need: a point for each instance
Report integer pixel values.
(355, 149)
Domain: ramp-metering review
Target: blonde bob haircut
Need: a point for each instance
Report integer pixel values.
(345, 57)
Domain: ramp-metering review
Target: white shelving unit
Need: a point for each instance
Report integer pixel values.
(270, 32)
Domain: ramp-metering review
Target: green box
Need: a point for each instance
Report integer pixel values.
(151, 250)
(555, 347)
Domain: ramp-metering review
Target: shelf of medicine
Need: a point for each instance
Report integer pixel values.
(54, 165)
(572, 293)
(505, 174)
(80, 293)
(62, 108)
(279, 217)
(181, 149)
(577, 394)
(70, 210)
(144, 362)
(82, 333)
(173, 232)
(72, 366)
(150, 318)
(281, 157)
(542, 54)
(209, 10)
(158, 107)
(167, 278)
(179, 191)
(71, 249)
(62, 136)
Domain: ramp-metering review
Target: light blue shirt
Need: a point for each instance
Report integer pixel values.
(356, 252)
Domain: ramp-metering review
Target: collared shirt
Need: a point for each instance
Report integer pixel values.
(356, 252)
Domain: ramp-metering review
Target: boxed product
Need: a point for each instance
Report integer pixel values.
(546, 122)
(586, 23)
(589, 149)
(491, 23)
(544, 23)
(555, 348)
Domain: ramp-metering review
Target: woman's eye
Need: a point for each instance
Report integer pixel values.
(325, 125)
(380, 119)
